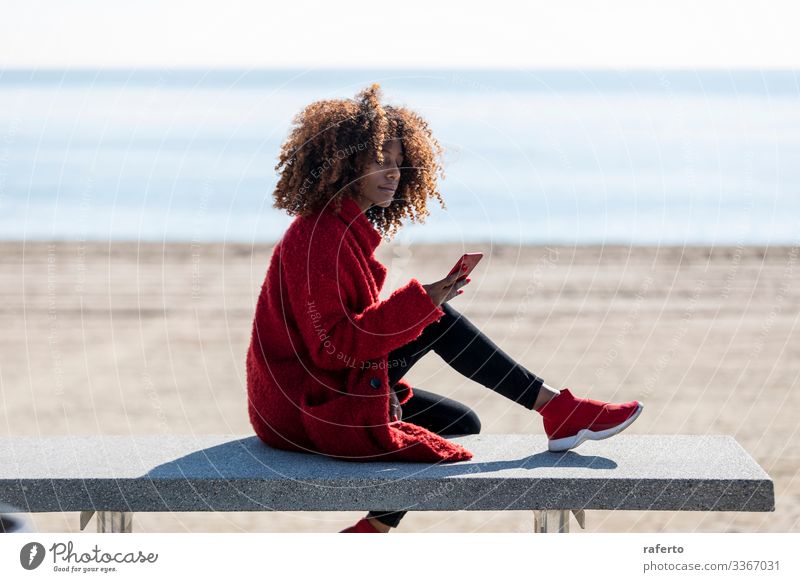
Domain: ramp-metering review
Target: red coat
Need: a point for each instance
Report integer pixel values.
(317, 375)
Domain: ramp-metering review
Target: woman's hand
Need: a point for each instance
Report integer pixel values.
(444, 290)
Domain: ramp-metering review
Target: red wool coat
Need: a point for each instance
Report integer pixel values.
(317, 373)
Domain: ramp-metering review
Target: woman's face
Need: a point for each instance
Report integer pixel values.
(379, 182)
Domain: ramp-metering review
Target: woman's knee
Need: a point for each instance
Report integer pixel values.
(447, 308)
(440, 414)
(449, 311)
(470, 423)
(445, 326)
(461, 418)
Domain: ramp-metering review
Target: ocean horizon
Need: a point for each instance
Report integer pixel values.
(531, 157)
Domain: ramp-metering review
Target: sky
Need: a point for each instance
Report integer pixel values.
(623, 34)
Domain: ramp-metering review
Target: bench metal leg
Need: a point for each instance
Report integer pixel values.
(114, 522)
(556, 520)
(109, 521)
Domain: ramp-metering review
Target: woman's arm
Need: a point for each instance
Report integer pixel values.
(319, 280)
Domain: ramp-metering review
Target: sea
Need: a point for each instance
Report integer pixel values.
(633, 157)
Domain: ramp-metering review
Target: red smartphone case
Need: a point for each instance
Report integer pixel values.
(468, 259)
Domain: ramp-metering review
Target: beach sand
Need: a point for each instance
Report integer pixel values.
(133, 338)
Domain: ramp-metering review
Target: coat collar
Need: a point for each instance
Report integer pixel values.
(356, 221)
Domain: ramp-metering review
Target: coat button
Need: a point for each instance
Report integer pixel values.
(375, 383)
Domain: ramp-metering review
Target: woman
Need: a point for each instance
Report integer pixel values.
(327, 356)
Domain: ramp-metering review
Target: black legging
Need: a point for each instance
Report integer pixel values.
(468, 351)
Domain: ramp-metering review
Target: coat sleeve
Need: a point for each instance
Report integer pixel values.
(319, 276)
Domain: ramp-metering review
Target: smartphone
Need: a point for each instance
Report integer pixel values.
(468, 259)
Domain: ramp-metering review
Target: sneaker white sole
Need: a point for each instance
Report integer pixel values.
(567, 443)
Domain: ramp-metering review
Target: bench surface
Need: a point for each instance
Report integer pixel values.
(507, 472)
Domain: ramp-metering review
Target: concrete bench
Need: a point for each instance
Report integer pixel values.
(116, 476)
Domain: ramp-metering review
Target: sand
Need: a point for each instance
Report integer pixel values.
(147, 338)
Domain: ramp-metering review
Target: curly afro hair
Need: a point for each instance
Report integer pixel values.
(330, 144)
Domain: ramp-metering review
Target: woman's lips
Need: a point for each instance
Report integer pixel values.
(386, 189)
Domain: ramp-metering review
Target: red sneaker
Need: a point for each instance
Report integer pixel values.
(568, 421)
(363, 526)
